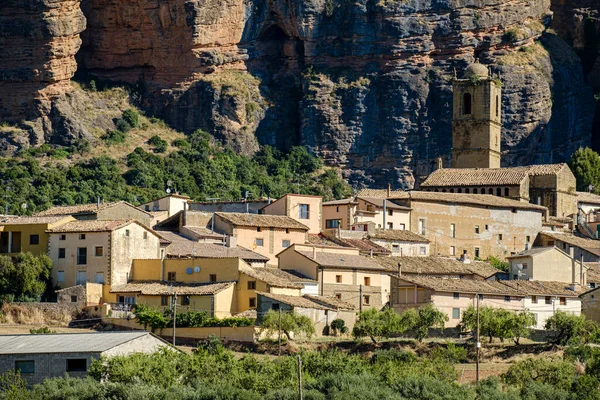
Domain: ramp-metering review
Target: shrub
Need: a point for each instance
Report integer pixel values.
(511, 35)
(160, 145)
(338, 326)
(42, 330)
(288, 322)
(152, 317)
(122, 125)
(547, 371)
(114, 137)
(374, 324)
(181, 143)
(131, 117)
(12, 386)
(451, 352)
(570, 328)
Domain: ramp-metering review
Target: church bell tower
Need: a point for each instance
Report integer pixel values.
(476, 122)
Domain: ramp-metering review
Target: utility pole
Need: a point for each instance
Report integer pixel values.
(360, 298)
(299, 377)
(174, 313)
(279, 336)
(477, 344)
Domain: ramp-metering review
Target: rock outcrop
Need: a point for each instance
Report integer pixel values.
(38, 43)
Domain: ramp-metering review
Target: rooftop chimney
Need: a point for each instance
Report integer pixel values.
(389, 190)
(314, 252)
(230, 241)
(440, 163)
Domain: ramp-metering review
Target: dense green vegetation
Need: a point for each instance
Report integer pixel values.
(24, 277)
(200, 168)
(213, 372)
(499, 323)
(288, 322)
(585, 164)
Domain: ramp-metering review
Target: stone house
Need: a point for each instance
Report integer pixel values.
(305, 209)
(40, 357)
(119, 210)
(99, 251)
(590, 304)
(362, 212)
(320, 309)
(171, 203)
(548, 264)
(476, 224)
(548, 185)
(341, 272)
(264, 234)
(589, 205)
(589, 249)
(28, 234)
(86, 294)
(454, 296)
(401, 242)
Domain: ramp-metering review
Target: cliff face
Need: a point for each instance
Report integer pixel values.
(366, 84)
(38, 43)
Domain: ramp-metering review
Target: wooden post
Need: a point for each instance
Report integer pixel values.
(360, 298)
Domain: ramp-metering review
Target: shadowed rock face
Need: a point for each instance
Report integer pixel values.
(365, 84)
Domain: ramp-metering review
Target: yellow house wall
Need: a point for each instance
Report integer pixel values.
(244, 294)
(226, 269)
(290, 260)
(197, 303)
(124, 249)
(34, 229)
(224, 302)
(285, 291)
(400, 219)
(272, 240)
(341, 212)
(146, 270)
(315, 211)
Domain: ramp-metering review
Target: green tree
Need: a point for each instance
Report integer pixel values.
(498, 263)
(555, 372)
(570, 328)
(499, 323)
(288, 322)
(421, 320)
(13, 387)
(150, 316)
(24, 277)
(521, 325)
(374, 324)
(585, 164)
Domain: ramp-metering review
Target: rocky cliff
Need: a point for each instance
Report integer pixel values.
(364, 84)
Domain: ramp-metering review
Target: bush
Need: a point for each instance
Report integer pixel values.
(511, 36)
(570, 328)
(338, 326)
(160, 145)
(288, 322)
(547, 371)
(114, 137)
(131, 117)
(452, 353)
(152, 317)
(122, 125)
(40, 331)
(181, 143)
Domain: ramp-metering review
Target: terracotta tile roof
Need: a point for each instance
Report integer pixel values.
(315, 302)
(378, 202)
(434, 265)
(319, 239)
(485, 200)
(461, 285)
(34, 220)
(342, 202)
(85, 208)
(204, 232)
(184, 247)
(544, 288)
(300, 277)
(378, 193)
(158, 288)
(261, 220)
(274, 277)
(365, 246)
(340, 260)
(451, 177)
(398, 235)
(90, 226)
(249, 313)
(593, 272)
(588, 198)
(590, 245)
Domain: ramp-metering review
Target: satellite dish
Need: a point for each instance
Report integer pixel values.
(168, 190)
(520, 267)
(196, 269)
(188, 270)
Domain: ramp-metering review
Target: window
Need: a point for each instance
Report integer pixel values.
(456, 313)
(73, 299)
(367, 281)
(490, 191)
(275, 307)
(287, 230)
(251, 285)
(476, 228)
(185, 300)
(452, 230)
(486, 228)
(390, 212)
(390, 225)
(563, 301)
(285, 243)
(533, 299)
(524, 265)
(402, 227)
(498, 192)
(337, 209)
(99, 251)
(422, 226)
(456, 295)
(366, 299)
(466, 103)
(304, 212)
(474, 190)
(505, 192)
(99, 278)
(338, 296)
(212, 277)
(332, 223)
(506, 298)
(477, 252)
(25, 366)
(80, 277)
(395, 248)
(164, 300)
(480, 296)
(499, 236)
(527, 239)
(61, 253)
(62, 237)
(258, 229)
(34, 239)
(127, 232)
(147, 207)
(77, 365)
(60, 276)
(467, 190)
(548, 300)
(171, 276)
(145, 235)
(497, 106)
(252, 302)
(422, 250)
(452, 251)
(338, 279)
(81, 255)
(82, 236)
(259, 242)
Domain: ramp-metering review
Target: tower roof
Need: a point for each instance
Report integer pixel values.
(476, 69)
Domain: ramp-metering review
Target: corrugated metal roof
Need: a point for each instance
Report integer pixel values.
(65, 342)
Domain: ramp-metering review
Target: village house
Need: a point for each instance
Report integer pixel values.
(221, 285)
(361, 212)
(589, 249)
(305, 209)
(341, 272)
(590, 304)
(320, 310)
(454, 296)
(439, 267)
(264, 234)
(45, 356)
(548, 264)
(401, 242)
(118, 210)
(171, 203)
(28, 234)
(589, 205)
(99, 251)
(476, 224)
(242, 206)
